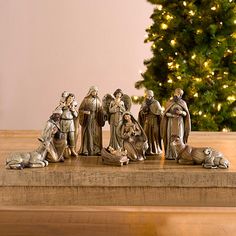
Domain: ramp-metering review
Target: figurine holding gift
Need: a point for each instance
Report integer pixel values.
(175, 122)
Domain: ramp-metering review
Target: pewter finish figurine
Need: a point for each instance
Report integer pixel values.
(175, 121)
(67, 124)
(115, 106)
(52, 134)
(34, 159)
(91, 118)
(150, 119)
(110, 156)
(134, 138)
(206, 156)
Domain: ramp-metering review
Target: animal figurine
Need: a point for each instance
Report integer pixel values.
(206, 156)
(33, 159)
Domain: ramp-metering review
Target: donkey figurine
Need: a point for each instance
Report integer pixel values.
(206, 156)
(34, 159)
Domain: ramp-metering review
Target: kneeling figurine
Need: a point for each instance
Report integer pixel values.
(206, 156)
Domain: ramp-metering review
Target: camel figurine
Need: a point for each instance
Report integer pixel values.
(34, 159)
(206, 156)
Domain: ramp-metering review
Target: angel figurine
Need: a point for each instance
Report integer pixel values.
(114, 106)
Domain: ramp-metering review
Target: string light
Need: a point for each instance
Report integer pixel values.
(159, 7)
(213, 8)
(200, 113)
(179, 77)
(195, 95)
(192, 13)
(160, 84)
(235, 22)
(177, 66)
(199, 31)
(153, 46)
(173, 42)
(176, 53)
(233, 35)
(135, 98)
(193, 56)
(198, 79)
(170, 81)
(231, 98)
(161, 49)
(170, 64)
(184, 3)
(225, 130)
(219, 106)
(225, 86)
(164, 26)
(169, 17)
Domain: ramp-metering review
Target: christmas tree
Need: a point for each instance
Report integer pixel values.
(193, 43)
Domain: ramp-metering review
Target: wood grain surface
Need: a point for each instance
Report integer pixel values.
(47, 218)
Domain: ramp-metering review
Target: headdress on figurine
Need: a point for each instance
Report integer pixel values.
(149, 93)
(92, 89)
(179, 91)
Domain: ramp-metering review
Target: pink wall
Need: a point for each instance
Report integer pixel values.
(48, 46)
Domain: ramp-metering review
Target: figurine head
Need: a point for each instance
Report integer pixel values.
(127, 117)
(55, 117)
(93, 91)
(70, 98)
(178, 94)
(118, 93)
(64, 94)
(149, 94)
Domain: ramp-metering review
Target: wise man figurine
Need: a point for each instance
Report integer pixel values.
(175, 123)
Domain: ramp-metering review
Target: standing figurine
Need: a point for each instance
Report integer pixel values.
(133, 136)
(91, 119)
(175, 122)
(67, 124)
(114, 107)
(150, 119)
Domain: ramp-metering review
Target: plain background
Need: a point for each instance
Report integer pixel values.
(48, 46)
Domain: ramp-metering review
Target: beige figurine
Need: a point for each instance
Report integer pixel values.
(91, 118)
(175, 122)
(114, 106)
(150, 119)
(67, 124)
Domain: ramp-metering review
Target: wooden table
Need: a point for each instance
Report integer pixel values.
(61, 212)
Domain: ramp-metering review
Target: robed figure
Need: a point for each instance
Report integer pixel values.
(133, 137)
(91, 119)
(114, 106)
(150, 119)
(175, 122)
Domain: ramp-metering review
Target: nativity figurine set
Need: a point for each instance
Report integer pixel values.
(131, 140)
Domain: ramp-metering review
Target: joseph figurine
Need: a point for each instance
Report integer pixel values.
(175, 122)
(150, 119)
(91, 119)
